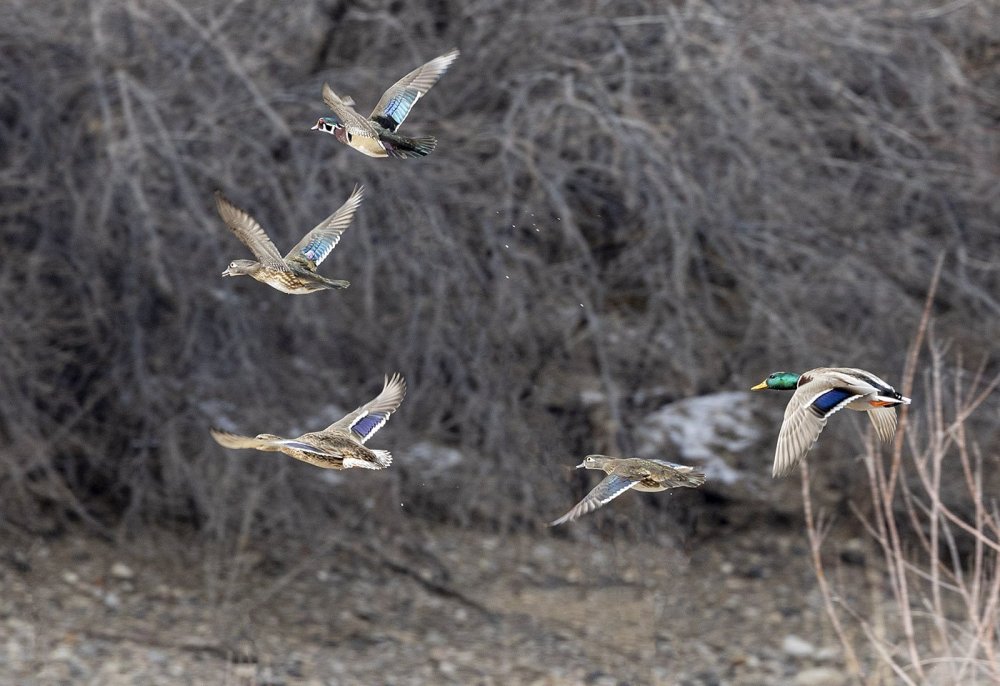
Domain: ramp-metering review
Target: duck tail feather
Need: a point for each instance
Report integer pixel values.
(403, 147)
(694, 479)
(383, 457)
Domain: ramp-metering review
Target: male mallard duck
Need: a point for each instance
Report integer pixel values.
(630, 472)
(376, 136)
(295, 272)
(818, 394)
(340, 445)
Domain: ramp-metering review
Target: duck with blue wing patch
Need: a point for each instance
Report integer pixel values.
(377, 135)
(294, 273)
(339, 446)
(626, 473)
(819, 394)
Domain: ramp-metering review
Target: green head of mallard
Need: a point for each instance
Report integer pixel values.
(779, 381)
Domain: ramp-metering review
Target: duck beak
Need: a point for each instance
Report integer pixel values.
(760, 387)
(580, 466)
(315, 126)
(226, 273)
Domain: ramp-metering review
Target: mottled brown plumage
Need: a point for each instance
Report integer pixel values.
(339, 446)
(626, 473)
(294, 273)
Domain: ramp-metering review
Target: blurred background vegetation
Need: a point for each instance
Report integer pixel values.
(631, 204)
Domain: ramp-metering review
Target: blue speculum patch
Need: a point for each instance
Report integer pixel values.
(399, 107)
(317, 249)
(831, 399)
(366, 425)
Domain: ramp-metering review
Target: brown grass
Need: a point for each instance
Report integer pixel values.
(934, 613)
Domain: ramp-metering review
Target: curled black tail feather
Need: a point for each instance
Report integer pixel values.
(403, 148)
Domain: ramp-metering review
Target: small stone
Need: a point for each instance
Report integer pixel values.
(727, 568)
(820, 676)
(87, 649)
(735, 583)
(266, 675)
(71, 578)
(245, 670)
(295, 667)
(19, 560)
(61, 652)
(542, 552)
(853, 552)
(598, 678)
(111, 601)
(120, 570)
(797, 647)
(827, 654)
(734, 601)
(703, 678)
(78, 602)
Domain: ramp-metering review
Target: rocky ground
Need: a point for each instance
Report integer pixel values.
(444, 606)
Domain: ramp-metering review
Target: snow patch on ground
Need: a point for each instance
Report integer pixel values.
(703, 428)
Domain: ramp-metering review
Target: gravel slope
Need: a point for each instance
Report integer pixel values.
(453, 608)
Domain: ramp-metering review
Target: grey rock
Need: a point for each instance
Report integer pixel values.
(827, 654)
(797, 647)
(820, 676)
(122, 571)
(111, 601)
(853, 552)
(708, 429)
(156, 656)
